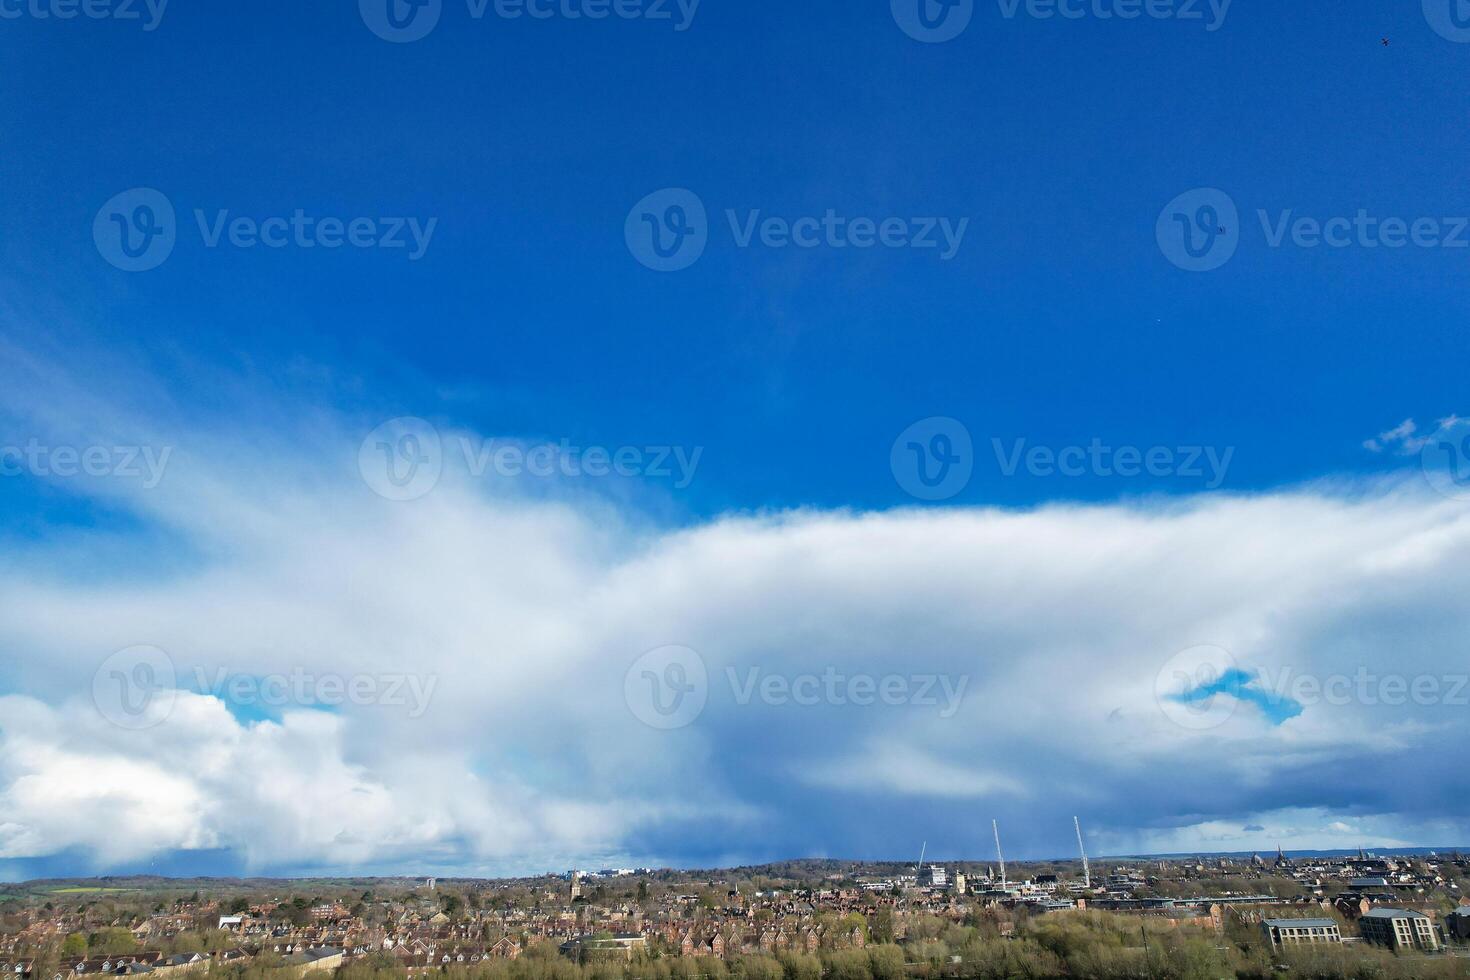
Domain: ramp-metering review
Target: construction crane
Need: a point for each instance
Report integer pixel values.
(995, 826)
(1086, 871)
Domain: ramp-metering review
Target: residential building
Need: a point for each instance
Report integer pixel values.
(1398, 929)
(312, 960)
(933, 876)
(1300, 932)
(1457, 924)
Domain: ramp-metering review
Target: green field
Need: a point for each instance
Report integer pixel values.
(88, 891)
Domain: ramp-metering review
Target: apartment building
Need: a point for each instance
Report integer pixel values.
(1398, 929)
(1300, 932)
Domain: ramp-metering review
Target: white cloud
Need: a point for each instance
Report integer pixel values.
(263, 553)
(1405, 439)
(280, 793)
(902, 769)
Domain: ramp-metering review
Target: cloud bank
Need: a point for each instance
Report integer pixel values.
(288, 598)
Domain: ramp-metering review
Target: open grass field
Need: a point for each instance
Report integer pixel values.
(85, 890)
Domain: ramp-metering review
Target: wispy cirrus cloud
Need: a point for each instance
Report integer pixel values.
(1405, 439)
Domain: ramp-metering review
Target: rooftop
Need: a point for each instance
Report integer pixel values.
(1393, 914)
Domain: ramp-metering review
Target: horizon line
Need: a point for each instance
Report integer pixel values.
(1407, 850)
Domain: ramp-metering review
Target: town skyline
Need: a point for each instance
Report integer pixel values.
(588, 871)
(1396, 915)
(602, 869)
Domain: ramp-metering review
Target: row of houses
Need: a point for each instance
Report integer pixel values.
(153, 963)
(150, 962)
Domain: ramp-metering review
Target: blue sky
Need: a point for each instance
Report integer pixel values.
(521, 149)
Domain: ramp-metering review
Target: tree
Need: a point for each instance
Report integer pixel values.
(849, 964)
(801, 966)
(47, 963)
(886, 962)
(112, 941)
(760, 968)
(880, 927)
(74, 945)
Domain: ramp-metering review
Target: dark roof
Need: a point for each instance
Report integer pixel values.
(1394, 914)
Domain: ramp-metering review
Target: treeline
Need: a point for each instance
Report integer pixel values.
(1080, 946)
(1060, 946)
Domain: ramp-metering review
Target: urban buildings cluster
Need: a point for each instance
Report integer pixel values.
(61, 931)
